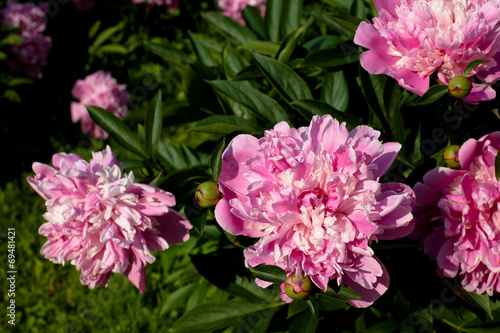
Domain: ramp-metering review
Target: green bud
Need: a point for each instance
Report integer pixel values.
(450, 156)
(298, 288)
(207, 194)
(459, 87)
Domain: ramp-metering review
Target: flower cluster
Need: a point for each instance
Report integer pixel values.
(98, 89)
(171, 4)
(457, 216)
(233, 8)
(31, 20)
(101, 221)
(412, 39)
(313, 198)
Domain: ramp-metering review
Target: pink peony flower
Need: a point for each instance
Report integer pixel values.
(457, 216)
(101, 221)
(412, 39)
(171, 4)
(312, 197)
(31, 55)
(233, 8)
(98, 89)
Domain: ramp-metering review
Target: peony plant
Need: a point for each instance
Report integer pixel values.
(313, 199)
(101, 221)
(414, 39)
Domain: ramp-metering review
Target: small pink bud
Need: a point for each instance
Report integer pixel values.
(459, 87)
(207, 194)
(298, 288)
(450, 156)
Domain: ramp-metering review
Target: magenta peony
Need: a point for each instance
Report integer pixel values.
(171, 4)
(101, 221)
(31, 20)
(98, 89)
(413, 39)
(457, 216)
(313, 198)
(233, 8)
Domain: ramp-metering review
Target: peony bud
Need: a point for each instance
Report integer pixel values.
(450, 156)
(459, 87)
(207, 194)
(298, 288)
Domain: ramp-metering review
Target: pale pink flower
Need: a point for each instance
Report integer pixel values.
(313, 198)
(171, 4)
(233, 8)
(31, 55)
(98, 89)
(457, 216)
(412, 39)
(101, 221)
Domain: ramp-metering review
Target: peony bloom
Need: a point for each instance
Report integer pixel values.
(233, 8)
(31, 20)
(171, 4)
(101, 221)
(312, 197)
(413, 39)
(457, 216)
(98, 89)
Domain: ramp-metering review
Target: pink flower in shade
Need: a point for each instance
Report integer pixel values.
(412, 39)
(101, 221)
(98, 89)
(31, 55)
(84, 5)
(312, 197)
(457, 216)
(233, 8)
(171, 4)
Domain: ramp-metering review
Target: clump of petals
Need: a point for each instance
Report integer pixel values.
(233, 8)
(457, 216)
(102, 222)
(313, 199)
(98, 89)
(413, 39)
(31, 20)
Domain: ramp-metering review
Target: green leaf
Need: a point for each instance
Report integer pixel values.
(310, 107)
(344, 294)
(116, 129)
(288, 83)
(269, 273)
(105, 35)
(153, 123)
(305, 323)
(201, 51)
(262, 105)
(112, 48)
(288, 45)
(482, 302)
(233, 63)
(177, 298)
(264, 47)
(472, 65)
(345, 24)
(219, 314)
(225, 125)
(273, 19)
(432, 94)
(166, 52)
(254, 21)
(291, 16)
(229, 27)
(497, 166)
(342, 55)
(216, 159)
(335, 91)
